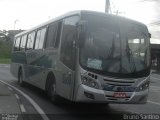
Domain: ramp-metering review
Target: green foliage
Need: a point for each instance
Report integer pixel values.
(5, 60)
(5, 51)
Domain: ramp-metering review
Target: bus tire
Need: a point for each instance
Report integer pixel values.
(20, 78)
(51, 89)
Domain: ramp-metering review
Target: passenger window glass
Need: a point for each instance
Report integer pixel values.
(30, 42)
(58, 34)
(23, 42)
(37, 39)
(16, 44)
(51, 35)
(40, 38)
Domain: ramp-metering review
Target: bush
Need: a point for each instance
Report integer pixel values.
(5, 51)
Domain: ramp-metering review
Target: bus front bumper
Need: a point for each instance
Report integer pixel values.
(88, 94)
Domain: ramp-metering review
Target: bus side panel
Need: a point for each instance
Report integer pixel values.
(39, 66)
(17, 60)
(56, 68)
(14, 69)
(50, 64)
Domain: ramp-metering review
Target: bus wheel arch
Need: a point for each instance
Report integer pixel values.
(50, 87)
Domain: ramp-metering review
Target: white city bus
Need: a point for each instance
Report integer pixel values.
(86, 56)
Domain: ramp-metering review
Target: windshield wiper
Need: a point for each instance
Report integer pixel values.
(112, 49)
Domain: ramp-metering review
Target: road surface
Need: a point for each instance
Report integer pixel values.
(68, 110)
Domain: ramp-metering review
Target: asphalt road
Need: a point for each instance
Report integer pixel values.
(69, 111)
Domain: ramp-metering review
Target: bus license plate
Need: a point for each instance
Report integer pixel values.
(119, 95)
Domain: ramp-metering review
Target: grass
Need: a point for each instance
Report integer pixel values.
(5, 60)
(5, 52)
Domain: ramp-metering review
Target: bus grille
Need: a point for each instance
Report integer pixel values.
(111, 98)
(117, 85)
(119, 82)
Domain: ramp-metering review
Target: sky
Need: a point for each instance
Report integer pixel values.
(25, 14)
(29, 13)
(145, 11)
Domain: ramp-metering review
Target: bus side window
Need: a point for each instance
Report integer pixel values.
(17, 44)
(30, 42)
(40, 37)
(58, 34)
(51, 35)
(23, 42)
(37, 39)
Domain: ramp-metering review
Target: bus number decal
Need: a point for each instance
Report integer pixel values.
(66, 79)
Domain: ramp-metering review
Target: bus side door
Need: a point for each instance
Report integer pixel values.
(67, 57)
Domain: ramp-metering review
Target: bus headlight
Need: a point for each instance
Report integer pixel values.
(89, 82)
(144, 86)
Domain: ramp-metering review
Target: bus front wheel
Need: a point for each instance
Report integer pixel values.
(20, 78)
(51, 89)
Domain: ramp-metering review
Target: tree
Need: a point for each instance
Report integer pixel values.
(4, 36)
(5, 45)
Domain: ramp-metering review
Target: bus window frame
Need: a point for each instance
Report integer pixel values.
(46, 37)
(39, 29)
(60, 30)
(20, 37)
(34, 31)
(25, 42)
(55, 46)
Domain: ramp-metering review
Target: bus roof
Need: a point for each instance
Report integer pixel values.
(79, 12)
(50, 21)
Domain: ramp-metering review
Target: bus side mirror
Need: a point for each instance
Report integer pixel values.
(149, 34)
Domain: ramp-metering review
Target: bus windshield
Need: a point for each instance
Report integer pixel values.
(113, 46)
